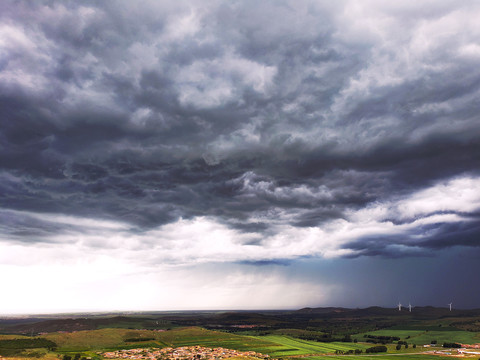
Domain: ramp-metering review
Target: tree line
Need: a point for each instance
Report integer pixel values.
(324, 338)
(380, 339)
(28, 344)
(377, 349)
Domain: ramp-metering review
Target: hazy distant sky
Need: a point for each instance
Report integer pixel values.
(159, 155)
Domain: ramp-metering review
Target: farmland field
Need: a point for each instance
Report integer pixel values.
(115, 338)
(420, 337)
(208, 338)
(276, 334)
(381, 357)
(274, 345)
(288, 346)
(94, 339)
(277, 346)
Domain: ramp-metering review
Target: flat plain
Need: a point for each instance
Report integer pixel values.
(310, 334)
(420, 337)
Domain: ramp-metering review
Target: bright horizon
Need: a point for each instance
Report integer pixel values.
(135, 312)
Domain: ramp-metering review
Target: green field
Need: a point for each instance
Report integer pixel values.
(288, 346)
(273, 345)
(93, 339)
(464, 337)
(277, 346)
(380, 357)
(110, 339)
(421, 337)
(208, 338)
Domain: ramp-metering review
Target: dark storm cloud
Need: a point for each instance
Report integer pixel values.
(416, 280)
(21, 227)
(146, 113)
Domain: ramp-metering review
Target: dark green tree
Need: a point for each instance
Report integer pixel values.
(376, 349)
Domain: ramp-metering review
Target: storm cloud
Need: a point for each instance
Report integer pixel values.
(239, 131)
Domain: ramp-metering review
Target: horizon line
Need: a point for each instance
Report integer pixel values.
(112, 312)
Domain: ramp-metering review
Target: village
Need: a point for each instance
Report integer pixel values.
(181, 353)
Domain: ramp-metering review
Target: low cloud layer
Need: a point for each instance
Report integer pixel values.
(198, 132)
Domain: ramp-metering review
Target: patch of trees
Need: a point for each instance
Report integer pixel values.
(258, 331)
(325, 338)
(380, 339)
(27, 344)
(16, 347)
(11, 352)
(76, 357)
(20, 353)
(376, 349)
(343, 352)
(451, 345)
(400, 343)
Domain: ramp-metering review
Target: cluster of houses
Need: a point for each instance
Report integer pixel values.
(468, 352)
(181, 353)
(465, 350)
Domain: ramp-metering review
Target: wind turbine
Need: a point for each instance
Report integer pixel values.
(399, 306)
(450, 306)
(409, 307)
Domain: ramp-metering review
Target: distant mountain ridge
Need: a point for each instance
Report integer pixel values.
(323, 310)
(381, 311)
(71, 324)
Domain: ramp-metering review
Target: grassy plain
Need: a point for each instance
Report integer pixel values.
(110, 339)
(380, 357)
(10, 337)
(287, 346)
(89, 341)
(47, 356)
(421, 337)
(114, 333)
(95, 339)
(208, 338)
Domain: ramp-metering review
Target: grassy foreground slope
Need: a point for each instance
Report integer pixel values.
(208, 338)
(94, 339)
(115, 339)
(274, 345)
(47, 356)
(277, 346)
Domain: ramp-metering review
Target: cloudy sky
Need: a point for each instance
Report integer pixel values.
(159, 155)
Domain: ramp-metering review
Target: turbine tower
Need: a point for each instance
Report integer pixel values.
(450, 306)
(399, 306)
(409, 307)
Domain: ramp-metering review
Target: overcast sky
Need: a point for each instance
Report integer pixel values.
(159, 155)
